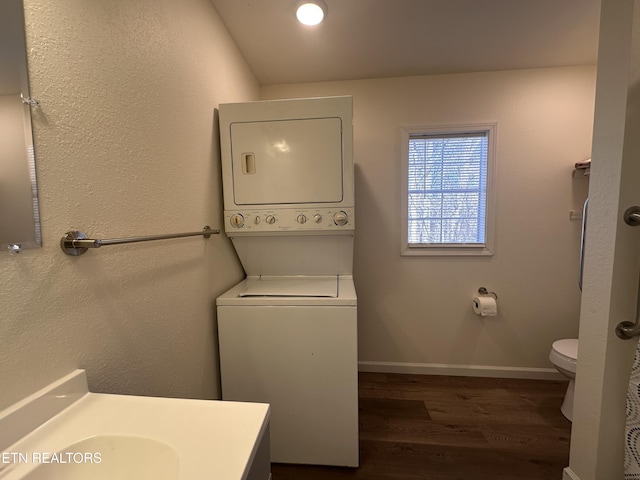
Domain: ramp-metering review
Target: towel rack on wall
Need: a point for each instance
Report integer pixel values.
(76, 242)
(627, 330)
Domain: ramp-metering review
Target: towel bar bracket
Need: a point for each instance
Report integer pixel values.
(627, 330)
(70, 245)
(632, 216)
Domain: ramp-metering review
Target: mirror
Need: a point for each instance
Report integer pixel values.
(19, 214)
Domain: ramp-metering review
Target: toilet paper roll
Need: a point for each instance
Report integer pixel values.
(485, 306)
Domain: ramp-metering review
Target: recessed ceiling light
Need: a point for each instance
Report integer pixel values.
(311, 13)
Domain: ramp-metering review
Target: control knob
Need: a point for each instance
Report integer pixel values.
(270, 219)
(340, 218)
(317, 218)
(301, 219)
(237, 220)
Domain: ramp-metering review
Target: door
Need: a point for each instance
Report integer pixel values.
(610, 285)
(287, 161)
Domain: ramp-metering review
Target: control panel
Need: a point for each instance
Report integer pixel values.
(290, 220)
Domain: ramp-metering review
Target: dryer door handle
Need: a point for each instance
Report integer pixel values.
(248, 163)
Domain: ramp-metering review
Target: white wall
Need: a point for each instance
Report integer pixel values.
(415, 313)
(126, 145)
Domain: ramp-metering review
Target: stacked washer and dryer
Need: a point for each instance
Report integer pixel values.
(288, 332)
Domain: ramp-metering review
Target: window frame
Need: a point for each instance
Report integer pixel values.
(488, 247)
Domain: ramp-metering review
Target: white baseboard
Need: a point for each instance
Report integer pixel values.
(460, 370)
(567, 474)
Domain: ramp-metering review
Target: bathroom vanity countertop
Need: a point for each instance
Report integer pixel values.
(212, 439)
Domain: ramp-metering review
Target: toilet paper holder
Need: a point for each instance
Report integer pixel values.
(484, 291)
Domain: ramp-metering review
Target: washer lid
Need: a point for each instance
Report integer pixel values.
(567, 348)
(291, 286)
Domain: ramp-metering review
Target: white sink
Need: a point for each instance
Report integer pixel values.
(122, 457)
(65, 432)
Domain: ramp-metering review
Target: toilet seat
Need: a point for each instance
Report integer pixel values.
(564, 354)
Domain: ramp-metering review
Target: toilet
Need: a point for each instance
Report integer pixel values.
(564, 356)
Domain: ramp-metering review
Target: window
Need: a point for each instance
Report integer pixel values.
(447, 201)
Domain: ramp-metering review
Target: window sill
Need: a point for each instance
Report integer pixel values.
(448, 251)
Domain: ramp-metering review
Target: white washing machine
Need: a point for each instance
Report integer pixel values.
(299, 354)
(288, 332)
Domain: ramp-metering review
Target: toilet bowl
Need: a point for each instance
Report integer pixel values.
(564, 356)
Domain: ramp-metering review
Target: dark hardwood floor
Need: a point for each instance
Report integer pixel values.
(444, 428)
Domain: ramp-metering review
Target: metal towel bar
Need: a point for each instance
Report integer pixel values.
(585, 213)
(76, 242)
(628, 330)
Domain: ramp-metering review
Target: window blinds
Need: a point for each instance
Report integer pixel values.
(447, 189)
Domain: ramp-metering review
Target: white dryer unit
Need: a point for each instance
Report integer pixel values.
(287, 167)
(288, 332)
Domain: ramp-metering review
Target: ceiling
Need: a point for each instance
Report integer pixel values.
(389, 38)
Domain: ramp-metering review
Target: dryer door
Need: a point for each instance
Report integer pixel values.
(287, 161)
